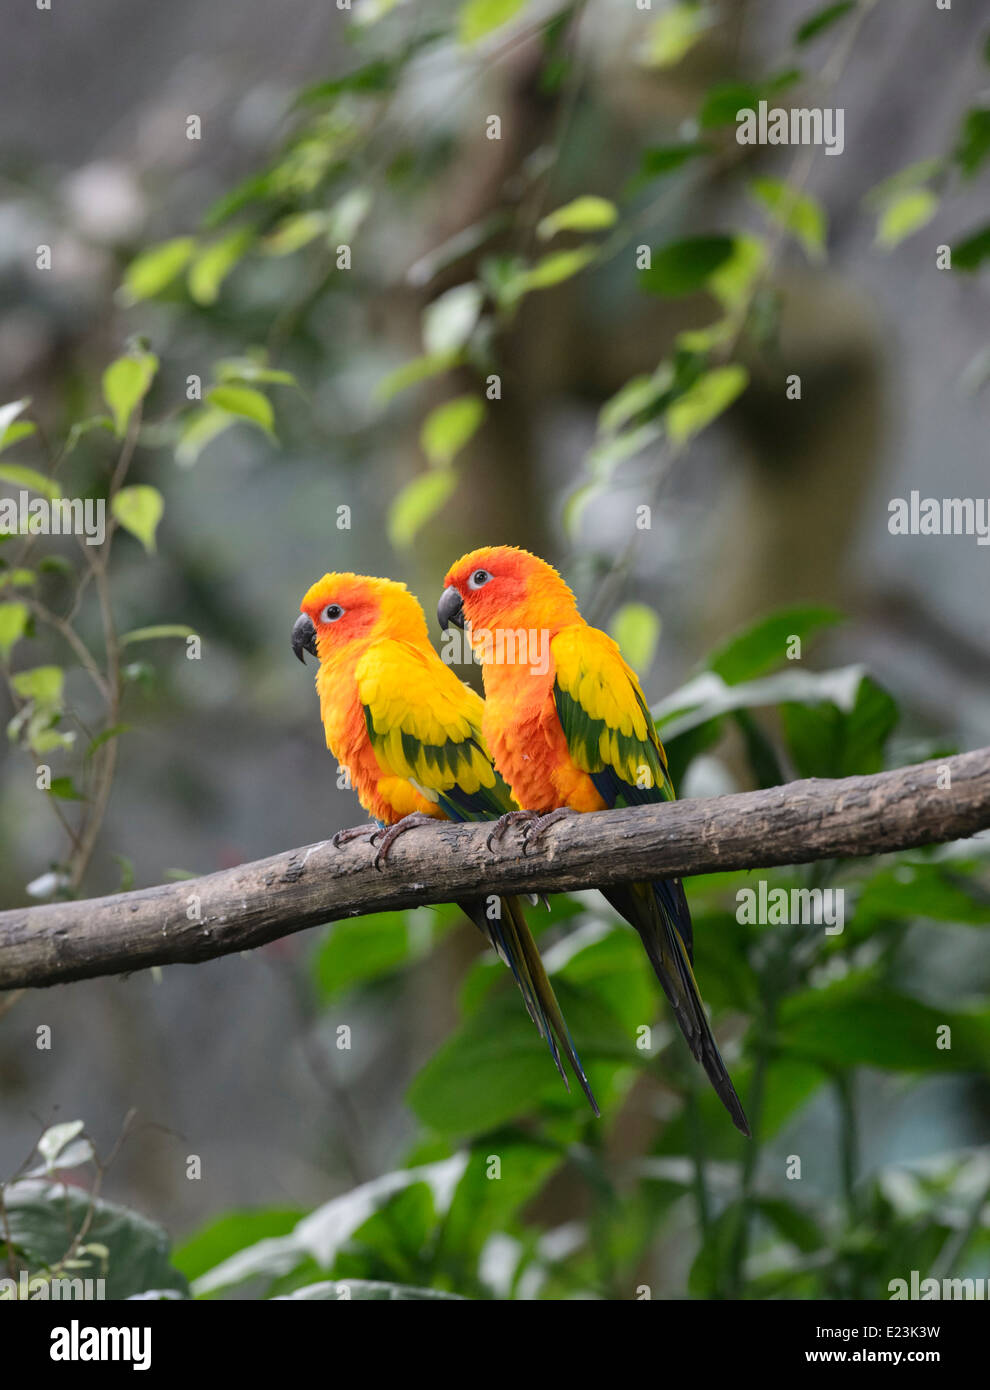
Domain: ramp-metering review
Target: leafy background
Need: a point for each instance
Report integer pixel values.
(369, 386)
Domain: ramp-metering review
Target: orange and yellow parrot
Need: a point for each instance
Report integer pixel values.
(569, 728)
(409, 733)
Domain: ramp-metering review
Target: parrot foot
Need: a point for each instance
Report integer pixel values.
(356, 832)
(389, 836)
(539, 825)
(503, 823)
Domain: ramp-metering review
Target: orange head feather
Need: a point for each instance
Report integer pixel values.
(354, 608)
(501, 586)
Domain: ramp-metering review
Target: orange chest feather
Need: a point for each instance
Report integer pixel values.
(385, 797)
(523, 731)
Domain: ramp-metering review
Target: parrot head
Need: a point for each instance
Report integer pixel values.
(501, 586)
(341, 609)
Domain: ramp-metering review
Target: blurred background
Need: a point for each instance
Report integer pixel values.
(315, 129)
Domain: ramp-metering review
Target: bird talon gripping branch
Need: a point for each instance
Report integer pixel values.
(389, 836)
(355, 832)
(503, 823)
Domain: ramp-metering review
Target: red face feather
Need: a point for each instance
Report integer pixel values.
(346, 608)
(503, 586)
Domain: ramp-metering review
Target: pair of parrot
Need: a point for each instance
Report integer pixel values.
(553, 736)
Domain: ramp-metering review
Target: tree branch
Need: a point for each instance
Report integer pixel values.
(241, 908)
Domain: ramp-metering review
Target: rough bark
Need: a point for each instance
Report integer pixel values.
(241, 908)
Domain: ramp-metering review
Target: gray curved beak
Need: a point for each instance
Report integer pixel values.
(304, 637)
(450, 609)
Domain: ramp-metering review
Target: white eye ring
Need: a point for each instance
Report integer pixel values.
(479, 579)
(332, 613)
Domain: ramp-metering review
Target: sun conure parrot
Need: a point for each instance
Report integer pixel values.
(570, 731)
(409, 733)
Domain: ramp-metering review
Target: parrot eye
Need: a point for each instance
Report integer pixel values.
(479, 579)
(331, 613)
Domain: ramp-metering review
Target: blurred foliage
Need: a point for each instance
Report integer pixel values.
(800, 1009)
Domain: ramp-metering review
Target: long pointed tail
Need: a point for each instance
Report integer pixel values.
(510, 935)
(655, 910)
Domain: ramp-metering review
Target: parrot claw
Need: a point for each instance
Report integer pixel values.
(503, 823)
(389, 836)
(356, 832)
(539, 825)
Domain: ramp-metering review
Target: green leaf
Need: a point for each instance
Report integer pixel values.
(29, 478)
(152, 634)
(54, 1139)
(824, 19)
(660, 160)
(42, 684)
(246, 403)
(826, 741)
(43, 1218)
(295, 232)
(411, 373)
(252, 369)
(105, 736)
(17, 579)
(636, 628)
(368, 948)
(639, 394)
(125, 384)
(732, 283)
(850, 1024)
(553, 269)
(682, 267)
(905, 214)
(912, 890)
(415, 504)
(674, 33)
(155, 269)
(83, 427)
(585, 214)
(484, 1205)
(8, 414)
(798, 213)
(13, 434)
(65, 789)
(449, 427)
(496, 1066)
(139, 509)
(763, 646)
(722, 103)
(450, 320)
(714, 1258)
(478, 18)
(911, 176)
(230, 1232)
(795, 1225)
(320, 1235)
(214, 263)
(707, 697)
(703, 402)
(968, 255)
(197, 431)
(974, 143)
